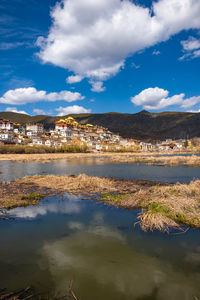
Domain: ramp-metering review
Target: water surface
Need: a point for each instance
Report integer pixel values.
(98, 167)
(98, 247)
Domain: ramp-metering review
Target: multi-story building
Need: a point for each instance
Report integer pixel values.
(34, 128)
(6, 137)
(6, 125)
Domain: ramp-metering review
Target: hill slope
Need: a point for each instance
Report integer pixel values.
(143, 125)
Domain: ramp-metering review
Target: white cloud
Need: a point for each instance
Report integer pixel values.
(8, 46)
(156, 99)
(30, 94)
(191, 48)
(190, 102)
(196, 53)
(75, 109)
(195, 111)
(74, 79)
(14, 109)
(93, 38)
(156, 52)
(191, 44)
(39, 111)
(134, 65)
(97, 86)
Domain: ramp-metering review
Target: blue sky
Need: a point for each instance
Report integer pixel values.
(60, 57)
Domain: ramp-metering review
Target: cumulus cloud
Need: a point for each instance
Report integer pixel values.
(75, 109)
(97, 86)
(94, 38)
(157, 98)
(74, 79)
(191, 48)
(30, 94)
(39, 111)
(14, 109)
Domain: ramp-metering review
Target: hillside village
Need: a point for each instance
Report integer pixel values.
(68, 131)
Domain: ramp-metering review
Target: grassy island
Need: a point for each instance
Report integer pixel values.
(163, 206)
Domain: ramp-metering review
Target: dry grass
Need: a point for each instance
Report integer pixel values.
(17, 194)
(163, 205)
(156, 221)
(43, 156)
(83, 184)
(147, 158)
(193, 161)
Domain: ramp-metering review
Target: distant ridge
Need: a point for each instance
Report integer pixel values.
(143, 125)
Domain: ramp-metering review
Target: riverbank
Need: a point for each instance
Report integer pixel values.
(156, 160)
(163, 206)
(173, 159)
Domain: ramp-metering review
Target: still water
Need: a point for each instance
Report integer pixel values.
(97, 246)
(98, 167)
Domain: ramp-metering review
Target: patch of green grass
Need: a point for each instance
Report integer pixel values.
(192, 221)
(159, 208)
(179, 218)
(173, 192)
(32, 197)
(113, 197)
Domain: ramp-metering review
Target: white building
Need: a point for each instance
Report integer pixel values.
(6, 137)
(37, 142)
(36, 128)
(6, 125)
(48, 143)
(31, 133)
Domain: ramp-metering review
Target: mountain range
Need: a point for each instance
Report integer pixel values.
(143, 125)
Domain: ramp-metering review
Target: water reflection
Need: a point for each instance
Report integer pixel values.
(98, 167)
(61, 206)
(104, 266)
(69, 238)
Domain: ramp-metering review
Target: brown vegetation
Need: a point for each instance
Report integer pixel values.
(17, 194)
(147, 158)
(25, 149)
(163, 205)
(193, 161)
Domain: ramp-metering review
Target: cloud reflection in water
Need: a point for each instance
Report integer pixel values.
(69, 206)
